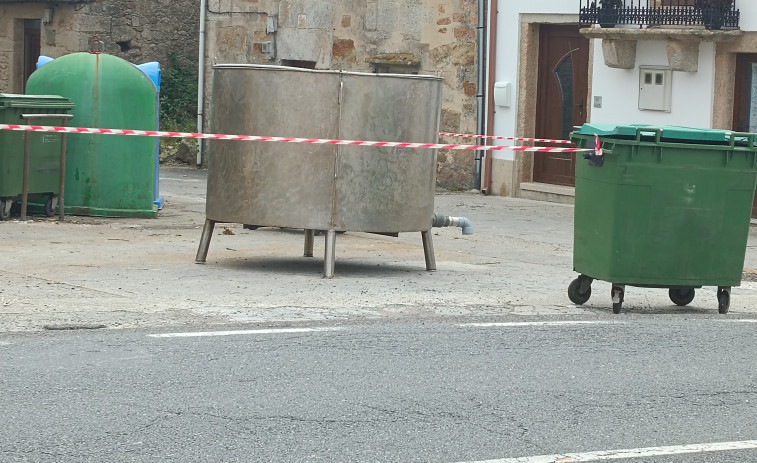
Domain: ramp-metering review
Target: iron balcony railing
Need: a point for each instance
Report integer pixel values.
(712, 14)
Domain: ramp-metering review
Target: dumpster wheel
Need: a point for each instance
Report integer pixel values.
(579, 290)
(681, 296)
(617, 297)
(5, 209)
(724, 299)
(49, 206)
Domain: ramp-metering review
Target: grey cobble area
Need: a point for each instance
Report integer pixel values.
(121, 273)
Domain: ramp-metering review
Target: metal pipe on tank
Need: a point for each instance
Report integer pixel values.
(201, 79)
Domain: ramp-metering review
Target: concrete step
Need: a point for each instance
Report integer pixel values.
(547, 192)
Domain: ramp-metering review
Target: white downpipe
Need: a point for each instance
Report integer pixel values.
(201, 80)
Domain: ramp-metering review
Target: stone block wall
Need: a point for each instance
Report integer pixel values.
(138, 31)
(436, 37)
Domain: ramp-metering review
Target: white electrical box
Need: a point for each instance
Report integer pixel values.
(502, 94)
(655, 88)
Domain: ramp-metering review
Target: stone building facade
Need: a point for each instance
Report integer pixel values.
(437, 37)
(137, 31)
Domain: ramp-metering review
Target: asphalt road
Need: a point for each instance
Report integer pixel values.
(448, 391)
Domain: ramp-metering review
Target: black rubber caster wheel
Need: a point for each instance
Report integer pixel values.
(724, 300)
(5, 211)
(49, 212)
(574, 291)
(617, 294)
(681, 296)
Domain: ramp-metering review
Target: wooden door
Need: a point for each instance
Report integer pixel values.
(745, 99)
(31, 48)
(562, 89)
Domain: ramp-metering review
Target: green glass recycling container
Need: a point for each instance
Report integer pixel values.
(106, 175)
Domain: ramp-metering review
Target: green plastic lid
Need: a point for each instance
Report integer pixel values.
(667, 133)
(11, 100)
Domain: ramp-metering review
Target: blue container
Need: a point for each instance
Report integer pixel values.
(152, 69)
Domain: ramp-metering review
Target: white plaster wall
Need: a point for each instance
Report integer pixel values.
(692, 92)
(506, 70)
(508, 52)
(748, 20)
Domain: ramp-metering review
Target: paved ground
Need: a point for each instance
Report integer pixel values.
(141, 272)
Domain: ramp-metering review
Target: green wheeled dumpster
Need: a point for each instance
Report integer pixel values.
(662, 207)
(44, 149)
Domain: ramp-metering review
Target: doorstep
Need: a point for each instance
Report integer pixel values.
(547, 192)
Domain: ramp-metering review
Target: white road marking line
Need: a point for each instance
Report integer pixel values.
(577, 322)
(239, 332)
(629, 453)
(739, 321)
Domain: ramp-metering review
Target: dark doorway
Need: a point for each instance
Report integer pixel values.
(31, 48)
(745, 99)
(562, 89)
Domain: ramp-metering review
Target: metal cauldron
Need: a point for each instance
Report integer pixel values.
(319, 186)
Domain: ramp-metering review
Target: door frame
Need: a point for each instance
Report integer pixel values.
(546, 86)
(740, 103)
(522, 170)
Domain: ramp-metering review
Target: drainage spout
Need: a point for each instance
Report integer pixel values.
(447, 221)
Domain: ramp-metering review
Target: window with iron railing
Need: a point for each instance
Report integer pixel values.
(712, 14)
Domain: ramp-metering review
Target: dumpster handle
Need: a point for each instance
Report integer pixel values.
(747, 135)
(656, 132)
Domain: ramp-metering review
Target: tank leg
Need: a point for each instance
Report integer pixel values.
(428, 250)
(309, 234)
(329, 254)
(207, 233)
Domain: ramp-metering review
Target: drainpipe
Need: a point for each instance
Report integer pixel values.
(481, 86)
(487, 181)
(201, 80)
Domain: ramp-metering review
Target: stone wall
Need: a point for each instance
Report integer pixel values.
(435, 37)
(137, 31)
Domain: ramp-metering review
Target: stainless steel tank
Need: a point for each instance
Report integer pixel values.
(319, 186)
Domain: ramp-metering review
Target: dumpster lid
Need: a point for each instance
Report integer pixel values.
(12, 100)
(668, 133)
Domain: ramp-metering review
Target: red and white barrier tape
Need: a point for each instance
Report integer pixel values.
(597, 146)
(497, 137)
(155, 133)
